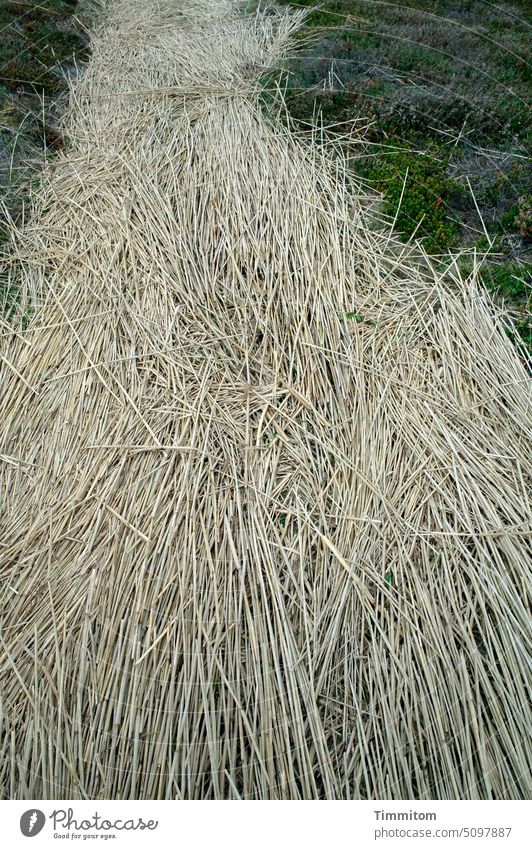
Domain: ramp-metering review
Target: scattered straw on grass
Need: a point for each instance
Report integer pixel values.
(265, 526)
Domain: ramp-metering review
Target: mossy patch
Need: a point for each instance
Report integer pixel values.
(416, 190)
(444, 87)
(39, 42)
(457, 62)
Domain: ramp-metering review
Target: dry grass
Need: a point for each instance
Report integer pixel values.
(266, 529)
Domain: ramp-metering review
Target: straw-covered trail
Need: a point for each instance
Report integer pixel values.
(265, 525)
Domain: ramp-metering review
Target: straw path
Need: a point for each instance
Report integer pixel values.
(265, 528)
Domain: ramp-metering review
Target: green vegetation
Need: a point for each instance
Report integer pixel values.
(37, 39)
(444, 87)
(38, 46)
(449, 61)
(511, 283)
(523, 216)
(445, 90)
(416, 190)
(360, 319)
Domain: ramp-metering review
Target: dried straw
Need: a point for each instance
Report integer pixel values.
(265, 529)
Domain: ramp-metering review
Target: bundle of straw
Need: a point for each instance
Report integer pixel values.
(265, 522)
